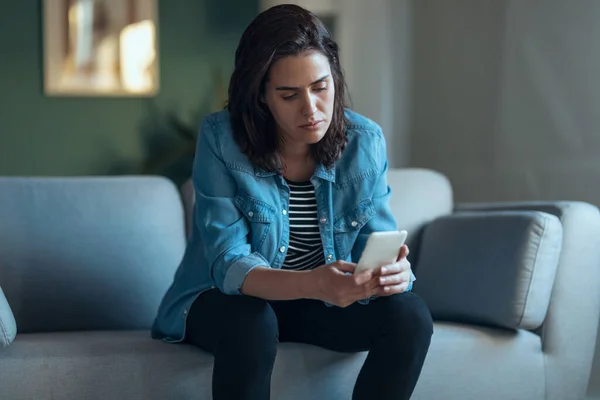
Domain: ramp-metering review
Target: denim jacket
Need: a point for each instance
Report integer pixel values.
(240, 216)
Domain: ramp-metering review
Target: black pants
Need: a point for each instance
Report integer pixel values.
(242, 333)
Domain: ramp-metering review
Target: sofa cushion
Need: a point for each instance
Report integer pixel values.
(8, 326)
(419, 196)
(88, 253)
(473, 363)
(492, 268)
(129, 365)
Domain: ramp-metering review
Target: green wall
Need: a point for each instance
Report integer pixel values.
(45, 136)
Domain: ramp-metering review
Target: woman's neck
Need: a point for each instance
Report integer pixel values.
(298, 164)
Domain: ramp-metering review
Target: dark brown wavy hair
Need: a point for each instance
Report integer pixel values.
(280, 31)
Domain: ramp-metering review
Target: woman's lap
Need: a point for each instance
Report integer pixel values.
(216, 316)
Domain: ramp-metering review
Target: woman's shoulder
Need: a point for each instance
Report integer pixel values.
(365, 152)
(217, 132)
(216, 123)
(360, 124)
(365, 138)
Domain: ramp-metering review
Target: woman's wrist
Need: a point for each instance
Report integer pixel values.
(308, 285)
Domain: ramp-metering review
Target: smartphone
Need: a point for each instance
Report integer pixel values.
(382, 248)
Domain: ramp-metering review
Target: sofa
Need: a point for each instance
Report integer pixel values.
(514, 289)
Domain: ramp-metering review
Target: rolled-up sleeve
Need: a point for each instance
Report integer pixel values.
(222, 228)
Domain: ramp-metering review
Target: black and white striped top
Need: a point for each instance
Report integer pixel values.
(305, 250)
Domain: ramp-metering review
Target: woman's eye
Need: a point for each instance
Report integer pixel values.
(291, 96)
(321, 89)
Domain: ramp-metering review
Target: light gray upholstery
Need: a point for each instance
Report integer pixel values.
(122, 237)
(129, 365)
(490, 268)
(469, 362)
(87, 253)
(8, 326)
(570, 329)
(418, 197)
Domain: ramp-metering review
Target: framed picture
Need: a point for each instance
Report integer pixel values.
(100, 47)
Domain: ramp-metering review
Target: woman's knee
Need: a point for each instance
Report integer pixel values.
(407, 313)
(250, 321)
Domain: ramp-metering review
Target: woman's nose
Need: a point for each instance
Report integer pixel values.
(310, 106)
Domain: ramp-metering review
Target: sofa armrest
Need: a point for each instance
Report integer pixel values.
(493, 268)
(8, 325)
(569, 331)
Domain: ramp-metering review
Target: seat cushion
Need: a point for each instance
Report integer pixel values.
(130, 365)
(492, 268)
(463, 363)
(473, 363)
(102, 365)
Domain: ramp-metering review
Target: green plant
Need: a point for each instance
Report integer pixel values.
(171, 141)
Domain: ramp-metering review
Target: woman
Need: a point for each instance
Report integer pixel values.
(288, 186)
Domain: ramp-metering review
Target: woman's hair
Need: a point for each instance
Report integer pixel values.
(281, 31)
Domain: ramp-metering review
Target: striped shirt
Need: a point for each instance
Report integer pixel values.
(305, 250)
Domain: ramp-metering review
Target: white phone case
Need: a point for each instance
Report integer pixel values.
(382, 248)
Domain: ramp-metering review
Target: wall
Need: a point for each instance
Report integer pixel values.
(81, 136)
(365, 38)
(507, 97)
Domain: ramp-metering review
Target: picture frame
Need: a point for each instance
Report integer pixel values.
(100, 48)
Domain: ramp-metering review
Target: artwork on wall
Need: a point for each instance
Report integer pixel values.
(100, 48)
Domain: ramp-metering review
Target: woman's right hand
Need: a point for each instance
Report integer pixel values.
(336, 287)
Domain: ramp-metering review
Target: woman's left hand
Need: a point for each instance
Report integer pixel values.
(395, 278)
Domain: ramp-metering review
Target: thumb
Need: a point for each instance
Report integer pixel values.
(403, 252)
(345, 266)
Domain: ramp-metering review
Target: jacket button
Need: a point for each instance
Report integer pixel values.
(354, 224)
(185, 312)
(330, 257)
(323, 220)
(250, 214)
(282, 249)
(283, 212)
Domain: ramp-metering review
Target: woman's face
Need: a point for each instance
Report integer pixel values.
(300, 94)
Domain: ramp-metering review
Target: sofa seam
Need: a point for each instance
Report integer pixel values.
(537, 253)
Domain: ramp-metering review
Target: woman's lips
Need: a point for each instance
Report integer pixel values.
(312, 126)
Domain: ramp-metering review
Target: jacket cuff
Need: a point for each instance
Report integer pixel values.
(236, 273)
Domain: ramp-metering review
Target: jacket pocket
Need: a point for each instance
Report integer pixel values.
(348, 224)
(259, 215)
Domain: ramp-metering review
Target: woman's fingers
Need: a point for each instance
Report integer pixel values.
(395, 268)
(392, 289)
(393, 279)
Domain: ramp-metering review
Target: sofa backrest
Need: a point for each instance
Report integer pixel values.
(418, 197)
(88, 253)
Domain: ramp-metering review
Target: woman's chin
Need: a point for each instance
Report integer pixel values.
(312, 136)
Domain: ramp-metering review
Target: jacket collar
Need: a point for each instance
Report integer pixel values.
(320, 172)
